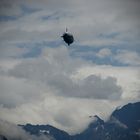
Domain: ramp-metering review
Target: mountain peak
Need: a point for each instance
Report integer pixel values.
(2, 137)
(98, 118)
(97, 122)
(128, 114)
(124, 124)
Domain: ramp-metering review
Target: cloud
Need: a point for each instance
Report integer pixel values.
(128, 57)
(54, 87)
(105, 52)
(7, 52)
(127, 77)
(96, 86)
(16, 91)
(9, 8)
(17, 132)
(69, 114)
(40, 88)
(55, 70)
(91, 87)
(101, 18)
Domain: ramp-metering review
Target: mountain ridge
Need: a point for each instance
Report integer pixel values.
(123, 124)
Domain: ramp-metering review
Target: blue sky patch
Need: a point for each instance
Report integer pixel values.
(28, 10)
(109, 35)
(8, 18)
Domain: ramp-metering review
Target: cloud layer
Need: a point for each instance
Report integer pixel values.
(17, 132)
(56, 89)
(43, 81)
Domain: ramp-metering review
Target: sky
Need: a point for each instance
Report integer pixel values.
(44, 81)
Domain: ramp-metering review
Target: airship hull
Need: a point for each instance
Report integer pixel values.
(68, 38)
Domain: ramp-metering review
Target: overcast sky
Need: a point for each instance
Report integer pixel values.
(44, 81)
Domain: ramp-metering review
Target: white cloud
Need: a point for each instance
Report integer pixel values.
(97, 17)
(12, 131)
(18, 91)
(63, 91)
(128, 57)
(127, 77)
(12, 51)
(55, 70)
(105, 52)
(69, 114)
(55, 88)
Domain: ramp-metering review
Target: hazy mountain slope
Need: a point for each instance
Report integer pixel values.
(124, 124)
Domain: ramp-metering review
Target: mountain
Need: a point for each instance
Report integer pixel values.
(129, 115)
(48, 130)
(123, 124)
(93, 132)
(2, 137)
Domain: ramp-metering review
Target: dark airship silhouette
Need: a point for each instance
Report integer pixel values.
(67, 37)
